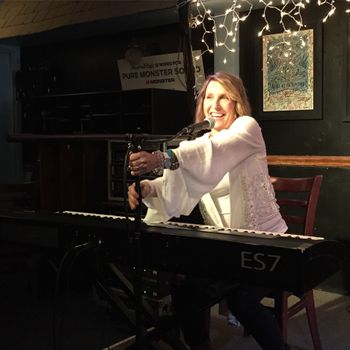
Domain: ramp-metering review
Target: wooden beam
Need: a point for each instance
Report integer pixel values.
(314, 161)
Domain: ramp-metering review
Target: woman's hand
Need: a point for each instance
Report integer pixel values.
(142, 162)
(133, 197)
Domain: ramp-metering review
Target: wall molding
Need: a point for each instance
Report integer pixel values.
(312, 161)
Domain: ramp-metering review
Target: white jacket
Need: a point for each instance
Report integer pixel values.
(240, 151)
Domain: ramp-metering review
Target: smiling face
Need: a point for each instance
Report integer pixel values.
(218, 105)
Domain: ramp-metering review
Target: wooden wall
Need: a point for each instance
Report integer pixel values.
(328, 135)
(91, 64)
(63, 64)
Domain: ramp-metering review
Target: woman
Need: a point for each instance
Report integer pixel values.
(226, 172)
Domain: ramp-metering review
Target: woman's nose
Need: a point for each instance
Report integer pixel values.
(216, 103)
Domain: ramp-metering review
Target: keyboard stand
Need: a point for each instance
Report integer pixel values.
(154, 328)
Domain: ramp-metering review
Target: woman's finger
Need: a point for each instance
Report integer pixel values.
(133, 196)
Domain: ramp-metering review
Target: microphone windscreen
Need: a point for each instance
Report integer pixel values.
(211, 122)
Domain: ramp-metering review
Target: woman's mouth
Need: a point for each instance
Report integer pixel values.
(216, 115)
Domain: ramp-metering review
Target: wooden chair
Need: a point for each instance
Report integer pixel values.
(297, 198)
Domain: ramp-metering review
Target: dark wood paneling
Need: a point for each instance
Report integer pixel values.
(72, 175)
(90, 63)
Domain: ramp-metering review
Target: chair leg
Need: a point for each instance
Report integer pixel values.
(281, 309)
(312, 320)
(246, 333)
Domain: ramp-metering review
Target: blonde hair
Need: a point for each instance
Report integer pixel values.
(235, 91)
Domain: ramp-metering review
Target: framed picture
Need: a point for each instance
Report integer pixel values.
(290, 82)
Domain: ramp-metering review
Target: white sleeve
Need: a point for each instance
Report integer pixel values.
(169, 198)
(203, 162)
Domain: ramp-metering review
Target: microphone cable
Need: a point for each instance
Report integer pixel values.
(66, 263)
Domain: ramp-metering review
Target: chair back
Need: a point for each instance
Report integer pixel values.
(298, 198)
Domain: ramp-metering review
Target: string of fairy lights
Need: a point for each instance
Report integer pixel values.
(223, 26)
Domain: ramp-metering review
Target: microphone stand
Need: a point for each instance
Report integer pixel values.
(135, 144)
(138, 271)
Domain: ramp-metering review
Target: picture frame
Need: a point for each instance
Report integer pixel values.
(291, 88)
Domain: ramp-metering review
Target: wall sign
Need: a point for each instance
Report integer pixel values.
(158, 72)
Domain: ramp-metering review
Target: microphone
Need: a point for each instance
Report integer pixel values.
(207, 123)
